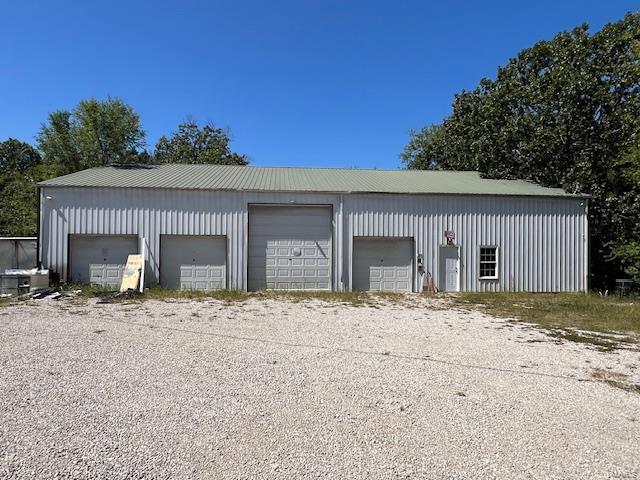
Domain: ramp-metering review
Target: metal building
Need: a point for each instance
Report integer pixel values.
(214, 226)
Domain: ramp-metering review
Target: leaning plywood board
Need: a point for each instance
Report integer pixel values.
(131, 273)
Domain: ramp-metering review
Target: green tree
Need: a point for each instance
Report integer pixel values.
(95, 133)
(625, 210)
(193, 144)
(562, 114)
(17, 156)
(21, 168)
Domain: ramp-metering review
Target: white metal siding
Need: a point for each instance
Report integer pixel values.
(150, 213)
(542, 241)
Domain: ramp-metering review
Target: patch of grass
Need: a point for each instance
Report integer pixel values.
(88, 291)
(356, 298)
(156, 293)
(233, 296)
(615, 379)
(230, 296)
(295, 296)
(602, 341)
(605, 322)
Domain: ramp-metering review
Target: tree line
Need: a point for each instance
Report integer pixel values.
(563, 113)
(95, 133)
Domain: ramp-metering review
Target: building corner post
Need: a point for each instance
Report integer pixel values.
(39, 228)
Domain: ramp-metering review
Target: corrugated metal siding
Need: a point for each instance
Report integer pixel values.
(542, 241)
(150, 213)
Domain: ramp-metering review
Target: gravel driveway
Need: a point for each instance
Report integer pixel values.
(275, 389)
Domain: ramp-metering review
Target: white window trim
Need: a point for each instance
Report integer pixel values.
(493, 277)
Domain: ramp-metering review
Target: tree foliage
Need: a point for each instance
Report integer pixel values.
(21, 168)
(17, 156)
(193, 144)
(96, 133)
(626, 214)
(564, 113)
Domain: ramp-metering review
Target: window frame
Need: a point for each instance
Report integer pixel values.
(496, 262)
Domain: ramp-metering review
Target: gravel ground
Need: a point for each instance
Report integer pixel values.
(274, 389)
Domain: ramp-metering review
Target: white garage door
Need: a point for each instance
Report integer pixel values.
(382, 264)
(289, 248)
(193, 262)
(100, 259)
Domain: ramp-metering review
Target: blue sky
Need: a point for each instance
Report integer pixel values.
(308, 83)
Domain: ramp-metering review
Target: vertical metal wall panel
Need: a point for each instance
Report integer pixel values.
(149, 213)
(542, 241)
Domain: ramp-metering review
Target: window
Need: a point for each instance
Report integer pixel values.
(488, 262)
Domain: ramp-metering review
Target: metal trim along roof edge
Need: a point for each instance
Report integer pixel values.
(566, 196)
(94, 178)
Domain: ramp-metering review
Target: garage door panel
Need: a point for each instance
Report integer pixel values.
(382, 263)
(290, 224)
(100, 259)
(286, 214)
(285, 244)
(193, 262)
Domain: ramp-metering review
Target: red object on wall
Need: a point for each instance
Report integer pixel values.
(450, 235)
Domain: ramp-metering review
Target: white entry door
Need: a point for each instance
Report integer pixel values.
(449, 274)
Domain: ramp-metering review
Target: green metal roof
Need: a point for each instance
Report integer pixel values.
(284, 179)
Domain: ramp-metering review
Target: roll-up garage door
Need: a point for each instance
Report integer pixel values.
(100, 259)
(193, 262)
(289, 248)
(384, 264)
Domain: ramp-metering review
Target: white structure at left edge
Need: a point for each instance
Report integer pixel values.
(250, 228)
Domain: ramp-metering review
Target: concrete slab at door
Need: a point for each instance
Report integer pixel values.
(193, 262)
(100, 259)
(449, 269)
(289, 247)
(382, 264)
